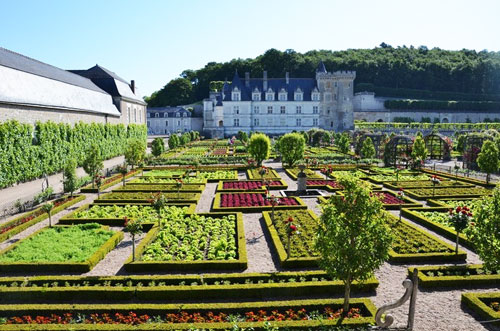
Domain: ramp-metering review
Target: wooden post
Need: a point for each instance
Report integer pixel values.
(413, 299)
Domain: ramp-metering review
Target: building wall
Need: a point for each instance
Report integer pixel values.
(28, 114)
(168, 125)
(132, 112)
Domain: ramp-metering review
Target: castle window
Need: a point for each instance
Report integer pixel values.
(166, 123)
(328, 109)
(335, 96)
(282, 109)
(256, 109)
(177, 115)
(236, 110)
(256, 122)
(298, 122)
(349, 85)
(283, 97)
(179, 123)
(236, 122)
(270, 109)
(270, 96)
(236, 95)
(256, 96)
(299, 110)
(149, 115)
(331, 124)
(156, 114)
(298, 96)
(315, 109)
(315, 122)
(184, 115)
(335, 84)
(315, 96)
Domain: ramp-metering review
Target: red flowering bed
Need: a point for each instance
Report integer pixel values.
(132, 318)
(247, 185)
(389, 199)
(323, 182)
(252, 200)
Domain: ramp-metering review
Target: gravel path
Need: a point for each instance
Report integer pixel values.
(206, 199)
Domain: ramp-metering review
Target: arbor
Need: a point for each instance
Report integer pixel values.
(419, 151)
(173, 141)
(259, 147)
(70, 181)
(353, 238)
(93, 162)
(157, 147)
(344, 143)
(368, 149)
(135, 152)
(291, 147)
(488, 159)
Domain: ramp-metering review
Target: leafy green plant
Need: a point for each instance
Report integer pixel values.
(259, 147)
(291, 147)
(157, 147)
(93, 162)
(70, 180)
(48, 209)
(135, 152)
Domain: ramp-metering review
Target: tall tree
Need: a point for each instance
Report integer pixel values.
(259, 147)
(368, 149)
(488, 159)
(291, 147)
(135, 152)
(93, 162)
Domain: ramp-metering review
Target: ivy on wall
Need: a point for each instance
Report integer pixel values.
(28, 152)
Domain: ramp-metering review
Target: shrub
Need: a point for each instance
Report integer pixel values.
(70, 182)
(259, 147)
(93, 163)
(173, 141)
(488, 159)
(292, 147)
(157, 147)
(135, 152)
(368, 149)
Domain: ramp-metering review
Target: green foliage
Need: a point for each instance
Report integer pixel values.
(344, 143)
(29, 151)
(353, 239)
(419, 151)
(173, 141)
(368, 149)
(318, 136)
(143, 213)
(291, 147)
(488, 158)
(157, 147)
(441, 105)
(43, 196)
(93, 162)
(177, 92)
(70, 182)
(185, 139)
(484, 234)
(461, 143)
(135, 152)
(243, 136)
(60, 244)
(259, 147)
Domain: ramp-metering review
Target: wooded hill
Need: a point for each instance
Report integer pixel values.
(403, 72)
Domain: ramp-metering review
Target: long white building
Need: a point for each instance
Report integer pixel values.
(280, 105)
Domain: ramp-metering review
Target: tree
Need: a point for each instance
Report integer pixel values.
(259, 147)
(353, 239)
(344, 143)
(135, 152)
(157, 147)
(134, 227)
(123, 170)
(488, 159)
(483, 232)
(419, 151)
(242, 136)
(173, 141)
(93, 162)
(368, 149)
(70, 181)
(48, 209)
(177, 92)
(291, 147)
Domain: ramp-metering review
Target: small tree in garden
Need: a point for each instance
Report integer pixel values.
(401, 195)
(353, 239)
(273, 200)
(291, 229)
(259, 147)
(134, 227)
(135, 152)
(435, 181)
(484, 231)
(460, 218)
(243, 136)
(93, 162)
(158, 202)
(123, 170)
(70, 181)
(48, 209)
(98, 183)
(157, 147)
(344, 143)
(291, 147)
(368, 149)
(488, 159)
(173, 141)
(419, 151)
(178, 184)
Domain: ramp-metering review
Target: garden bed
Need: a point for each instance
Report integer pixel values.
(424, 184)
(294, 172)
(217, 244)
(390, 200)
(217, 175)
(253, 202)
(486, 305)
(460, 178)
(60, 249)
(249, 185)
(188, 188)
(108, 182)
(461, 276)
(18, 224)
(447, 192)
(164, 180)
(145, 197)
(254, 173)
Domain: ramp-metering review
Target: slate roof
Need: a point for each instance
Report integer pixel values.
(276, 84)
(321, 67)
(168, 111)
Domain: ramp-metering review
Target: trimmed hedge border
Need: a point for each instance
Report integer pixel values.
(440, 202)
(442, 196)
(475, 302)
(454, 281)
(89, 189)
(409, 203)
(295, 177)
(220, 186)
(78, 267)
(365, 305)
(70, 220)
(394, 186)
(272, 172)
(411, 214)
(460, 178)
(172, 292)
(245, 209)
(24, 226)
(103, 199)
(187, 188)
(182, 266)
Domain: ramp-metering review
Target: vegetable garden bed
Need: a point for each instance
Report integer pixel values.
(270, 174)
(191, 188)
(389, 200)
(145, 197)
(253, 202)
(310, 174)
(424, 184)
(217, 175)
(456, 276)
(164, 180)
(60, 249)
(447, 192)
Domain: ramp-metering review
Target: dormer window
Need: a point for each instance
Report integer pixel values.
(283, 95)
(157, 115)
(298, 95)
(270, 95)
(315, 96)
(236, 95)
(256, 95)
(177, 114)
(184, 115)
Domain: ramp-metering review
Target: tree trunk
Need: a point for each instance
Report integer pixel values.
(50, 220)
(456, 243)
(347, 295)
(133, 248)
(487, 178)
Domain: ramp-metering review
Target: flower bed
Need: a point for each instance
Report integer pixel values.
(456, 276)
(145, 197)
(254, 173)
(60, 248)
(193, 242)
(294, 172)
(318, 184)
(485, 305)
(18, 224)
(392, 202)
(114, 214)
(284, 314)
(253, 202)
(447, 192)
(173, 288)
(249, 185)
(192, 188)
(108, 182)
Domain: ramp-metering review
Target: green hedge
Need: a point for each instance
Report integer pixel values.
(30, 151)
(475, 302)
(113, 181)
(22, 227)
(474, 279)
(460, 178)
(425, 126)
(442, 105)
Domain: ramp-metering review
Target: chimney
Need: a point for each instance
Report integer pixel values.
(247, 79)
(287, 78)
(132, 86)
(264, 85)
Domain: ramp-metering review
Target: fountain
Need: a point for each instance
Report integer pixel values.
(302, 190)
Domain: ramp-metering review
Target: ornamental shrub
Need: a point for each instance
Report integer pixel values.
(70, 181)
(368, 149)
(93, 162)
(488, 159)
(259, 147)
(135, 152)
(344, 143)
(291, 147)
(419, 151)
(173, 141)
(157, 147)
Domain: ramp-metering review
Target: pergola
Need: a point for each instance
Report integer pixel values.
(377, 139)
(398, 148)
(439, 146)
(473, 144)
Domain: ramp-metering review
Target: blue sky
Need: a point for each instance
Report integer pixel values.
(153, 41)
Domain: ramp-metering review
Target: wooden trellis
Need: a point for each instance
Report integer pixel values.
(473, 144)
(398, 150)
(377, 139)
(438, 146)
